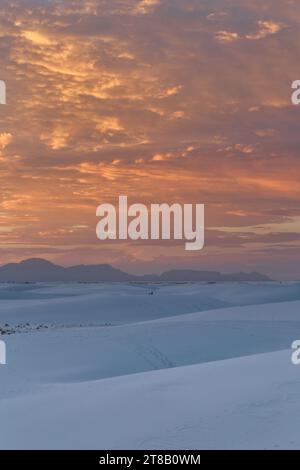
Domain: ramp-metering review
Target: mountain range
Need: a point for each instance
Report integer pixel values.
(40, 270)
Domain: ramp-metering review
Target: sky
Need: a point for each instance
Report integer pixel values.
(169, 101)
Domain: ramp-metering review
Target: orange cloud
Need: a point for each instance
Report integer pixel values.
(162, 100)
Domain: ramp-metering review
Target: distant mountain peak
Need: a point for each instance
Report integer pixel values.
(41, 270)
(36, 262)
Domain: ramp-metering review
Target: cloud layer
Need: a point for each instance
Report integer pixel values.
(162, 100)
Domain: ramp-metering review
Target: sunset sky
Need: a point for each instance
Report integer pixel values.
(163, 101)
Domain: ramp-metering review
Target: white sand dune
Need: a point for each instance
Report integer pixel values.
(181, 378)
(250, 402)
(97, 304)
